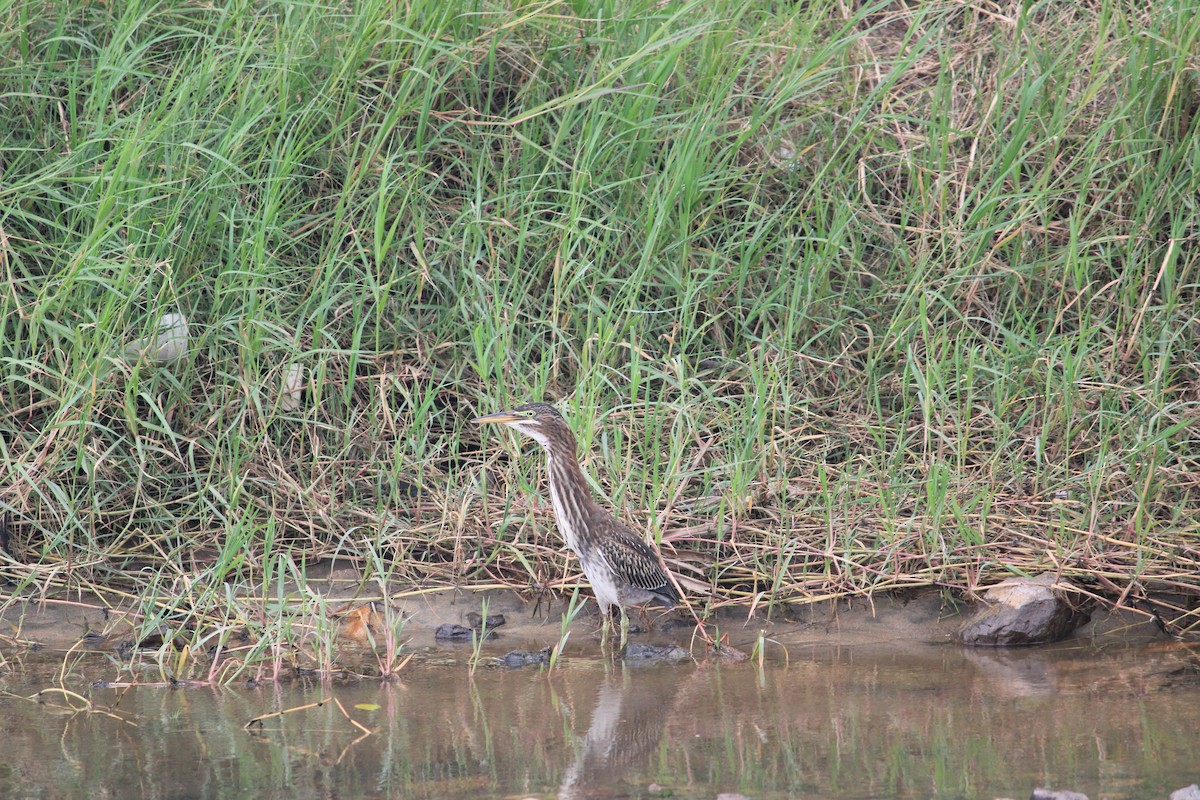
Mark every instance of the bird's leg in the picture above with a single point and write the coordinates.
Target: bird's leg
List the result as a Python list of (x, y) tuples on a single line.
[(605, 626), (624, 628)]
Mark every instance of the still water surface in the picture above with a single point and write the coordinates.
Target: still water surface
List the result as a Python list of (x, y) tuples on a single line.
[(1114, 721)]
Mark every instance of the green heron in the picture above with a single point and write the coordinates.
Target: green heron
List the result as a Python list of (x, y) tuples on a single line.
[(621, 567)]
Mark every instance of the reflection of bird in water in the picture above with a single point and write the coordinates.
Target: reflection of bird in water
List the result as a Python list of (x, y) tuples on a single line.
[(632, 708), (621, 567)]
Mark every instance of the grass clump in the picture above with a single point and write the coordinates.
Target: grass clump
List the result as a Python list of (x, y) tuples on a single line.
[(838, 299)]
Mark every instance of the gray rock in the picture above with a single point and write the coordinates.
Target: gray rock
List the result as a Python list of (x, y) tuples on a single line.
[(516, 659), (1186, 793), (650, 654), (452, 632), (1023, 611), (476, 620)]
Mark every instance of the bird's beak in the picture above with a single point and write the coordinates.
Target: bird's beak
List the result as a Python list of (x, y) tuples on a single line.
[(500, 418)]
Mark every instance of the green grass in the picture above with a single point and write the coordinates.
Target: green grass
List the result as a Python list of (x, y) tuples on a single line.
[(841, 301)]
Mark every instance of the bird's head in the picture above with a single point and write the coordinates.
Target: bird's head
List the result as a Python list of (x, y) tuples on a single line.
[(539, 421)]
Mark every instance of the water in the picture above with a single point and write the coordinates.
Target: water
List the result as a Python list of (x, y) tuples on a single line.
[(1112, 720)]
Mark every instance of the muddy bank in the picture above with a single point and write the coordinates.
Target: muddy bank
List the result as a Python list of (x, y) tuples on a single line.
[(898, 624)]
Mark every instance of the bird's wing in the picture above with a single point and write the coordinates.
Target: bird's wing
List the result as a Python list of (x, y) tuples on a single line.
[(634, 560)]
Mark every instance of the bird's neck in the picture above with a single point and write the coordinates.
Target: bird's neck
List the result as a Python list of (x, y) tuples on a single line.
[(569, 493)]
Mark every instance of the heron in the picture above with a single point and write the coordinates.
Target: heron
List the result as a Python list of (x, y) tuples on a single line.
[(622, 568)]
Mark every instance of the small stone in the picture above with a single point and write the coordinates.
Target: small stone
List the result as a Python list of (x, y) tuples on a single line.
[(293, 387), (1186, 793), (453, 632), (476, 620), (524, 658), (168, 342), (731, 796), (651, 654), (1050, 794), (727, 654)]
